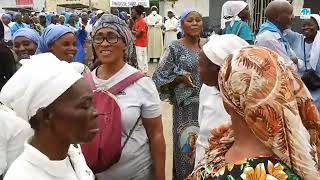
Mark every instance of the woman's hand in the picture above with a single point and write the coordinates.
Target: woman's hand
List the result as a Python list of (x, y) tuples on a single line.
[(185, 79)]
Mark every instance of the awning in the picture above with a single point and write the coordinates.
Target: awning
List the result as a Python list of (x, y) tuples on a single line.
[(19, 9), (77, 6)]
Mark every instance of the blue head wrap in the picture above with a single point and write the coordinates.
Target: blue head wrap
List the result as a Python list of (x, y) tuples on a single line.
[(183, 17), (68, 16), (50, 35), (27, 33), (7, 17), (49, 18)]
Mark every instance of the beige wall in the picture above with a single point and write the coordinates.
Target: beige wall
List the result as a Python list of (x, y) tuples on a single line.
[(51, 5)]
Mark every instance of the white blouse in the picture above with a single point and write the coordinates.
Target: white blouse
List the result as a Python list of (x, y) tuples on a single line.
[(32, 164)]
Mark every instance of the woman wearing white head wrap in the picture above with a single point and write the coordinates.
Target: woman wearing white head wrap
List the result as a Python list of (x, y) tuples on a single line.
[(57, 102), (307, 48), (211, 110), (237, 13)]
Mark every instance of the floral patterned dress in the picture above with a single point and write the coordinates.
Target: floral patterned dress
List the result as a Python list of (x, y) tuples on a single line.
[(260, 168)]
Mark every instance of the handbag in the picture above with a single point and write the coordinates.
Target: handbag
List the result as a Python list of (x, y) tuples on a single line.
[(310, 77)]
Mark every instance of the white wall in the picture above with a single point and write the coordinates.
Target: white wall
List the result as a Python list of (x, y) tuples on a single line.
[(179, 6)]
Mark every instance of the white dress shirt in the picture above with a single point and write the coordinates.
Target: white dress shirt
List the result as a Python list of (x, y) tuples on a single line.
[(211, 115), (13, 134), (32, 165)]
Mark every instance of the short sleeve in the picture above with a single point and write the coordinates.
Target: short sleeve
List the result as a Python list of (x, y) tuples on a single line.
[(149, 98), (246, 32), (141, 27)]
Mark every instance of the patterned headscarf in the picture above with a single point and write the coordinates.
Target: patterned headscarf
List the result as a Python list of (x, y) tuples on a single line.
[(276, 106), (115, 23)]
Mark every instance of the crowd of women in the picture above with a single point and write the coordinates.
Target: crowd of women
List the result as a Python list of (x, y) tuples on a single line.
[(241, 104)]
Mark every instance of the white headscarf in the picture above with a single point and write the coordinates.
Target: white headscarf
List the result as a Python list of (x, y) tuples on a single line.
[(37, 84), (220, 46), (230, 11), (315, 50)]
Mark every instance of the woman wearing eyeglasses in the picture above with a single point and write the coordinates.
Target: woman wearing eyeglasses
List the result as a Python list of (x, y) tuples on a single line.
[(143, 157), (61, 41)]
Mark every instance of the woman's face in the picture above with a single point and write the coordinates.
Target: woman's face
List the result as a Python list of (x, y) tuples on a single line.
[(61, 20), (245, 14), (72, 118), (64, 47), (192, 24), (24, 47), (309, 28), (208, 70), (109, 46)]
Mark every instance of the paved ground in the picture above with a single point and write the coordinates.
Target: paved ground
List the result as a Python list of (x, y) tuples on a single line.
[(167, 125)]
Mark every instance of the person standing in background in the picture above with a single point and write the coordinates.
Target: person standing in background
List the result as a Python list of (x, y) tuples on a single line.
[(26, 19), (6, 19), (270, 35), (7, 63), (178, 80), (237, 12), (171, 29), (155, 37), (88, 41), (307, 48), (18, 24), (141, 37), (61, 19), (42, 21)]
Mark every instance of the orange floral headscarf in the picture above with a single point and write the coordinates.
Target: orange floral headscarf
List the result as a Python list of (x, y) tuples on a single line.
[(276, 106)]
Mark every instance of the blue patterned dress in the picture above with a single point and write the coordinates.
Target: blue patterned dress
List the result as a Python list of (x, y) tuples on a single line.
[(179, 60)]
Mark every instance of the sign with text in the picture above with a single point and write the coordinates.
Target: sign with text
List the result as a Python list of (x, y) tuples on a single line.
[(305, 13), (129, 3)]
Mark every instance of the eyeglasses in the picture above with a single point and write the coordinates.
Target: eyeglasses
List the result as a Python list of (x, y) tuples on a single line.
[(111, 38)]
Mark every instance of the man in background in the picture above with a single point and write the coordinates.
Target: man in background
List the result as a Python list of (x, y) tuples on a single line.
[(139, 30), (171, 29), (6, 20), (155, 37)]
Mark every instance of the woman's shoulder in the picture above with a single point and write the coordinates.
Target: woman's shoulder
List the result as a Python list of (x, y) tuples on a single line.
[(22, 169)]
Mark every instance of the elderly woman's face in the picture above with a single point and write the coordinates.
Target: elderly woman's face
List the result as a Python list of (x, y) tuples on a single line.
[(24, 47), (108, 46), (72, 118), (192, 24), (64, 47)]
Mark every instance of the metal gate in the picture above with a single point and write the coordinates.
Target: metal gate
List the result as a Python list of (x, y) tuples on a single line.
[(257, 9)]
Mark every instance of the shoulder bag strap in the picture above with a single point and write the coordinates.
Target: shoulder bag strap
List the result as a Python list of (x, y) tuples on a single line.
[(121, 86), (125, 83), (130, 133), (304, 55), (240, 26), (89, 78)]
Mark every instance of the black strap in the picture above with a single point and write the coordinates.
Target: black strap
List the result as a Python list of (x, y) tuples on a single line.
[(71, 163), (130, 133), (304, 55)]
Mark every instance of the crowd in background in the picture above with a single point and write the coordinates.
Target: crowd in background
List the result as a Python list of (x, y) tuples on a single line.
[(245, 105)]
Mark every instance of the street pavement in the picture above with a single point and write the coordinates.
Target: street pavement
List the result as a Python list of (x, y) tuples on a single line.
[(167, 128)]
